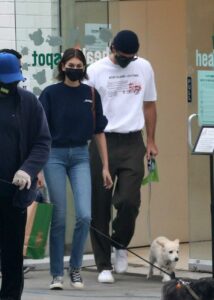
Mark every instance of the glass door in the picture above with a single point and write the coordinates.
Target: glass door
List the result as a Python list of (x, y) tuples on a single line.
[(88, 25)]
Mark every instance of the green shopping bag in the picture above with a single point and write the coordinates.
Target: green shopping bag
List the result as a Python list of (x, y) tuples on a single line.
[(37, 229), (153, 173)]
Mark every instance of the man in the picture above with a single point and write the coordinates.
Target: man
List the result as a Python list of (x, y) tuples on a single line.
[(127, 89), (24, 149)]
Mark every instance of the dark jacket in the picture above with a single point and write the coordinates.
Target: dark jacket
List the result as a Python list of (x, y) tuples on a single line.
[(34, 145)]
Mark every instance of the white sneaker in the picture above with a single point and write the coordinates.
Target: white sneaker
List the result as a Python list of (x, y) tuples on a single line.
[(120, 261), (106, 277), (57, 283)]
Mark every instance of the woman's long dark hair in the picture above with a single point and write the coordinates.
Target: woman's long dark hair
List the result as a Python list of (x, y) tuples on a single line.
[(67, 55)]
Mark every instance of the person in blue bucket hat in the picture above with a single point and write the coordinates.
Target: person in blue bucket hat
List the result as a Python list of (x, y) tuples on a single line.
[(24, 149)]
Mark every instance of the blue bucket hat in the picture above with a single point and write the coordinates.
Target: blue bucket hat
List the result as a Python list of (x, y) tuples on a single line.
[(126, 41), (10, 68)]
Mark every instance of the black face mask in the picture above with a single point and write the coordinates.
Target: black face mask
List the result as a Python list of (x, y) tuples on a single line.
[(7, 89), (123, 61), (74, 74)]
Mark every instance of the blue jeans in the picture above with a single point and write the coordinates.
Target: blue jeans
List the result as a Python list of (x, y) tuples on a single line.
[(74, 163)]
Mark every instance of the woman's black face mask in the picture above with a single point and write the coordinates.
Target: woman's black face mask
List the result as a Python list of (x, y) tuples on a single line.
[(74, 74), (7, 89), (123, 61)]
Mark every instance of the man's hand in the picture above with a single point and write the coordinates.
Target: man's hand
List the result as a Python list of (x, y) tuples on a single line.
[(151, 150), (22, 180)]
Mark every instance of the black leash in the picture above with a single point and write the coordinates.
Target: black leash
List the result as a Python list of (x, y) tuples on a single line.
[(179, 281), (8, 182), (186, 284), (172, 275)]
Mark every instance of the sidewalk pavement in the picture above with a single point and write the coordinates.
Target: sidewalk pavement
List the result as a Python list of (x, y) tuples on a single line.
[(131, 285), (127, 286)]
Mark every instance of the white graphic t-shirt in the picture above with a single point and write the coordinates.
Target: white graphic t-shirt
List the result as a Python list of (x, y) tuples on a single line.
[(123, 91)]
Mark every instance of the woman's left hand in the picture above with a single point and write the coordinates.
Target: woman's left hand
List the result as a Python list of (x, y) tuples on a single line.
[(41, 180), (107, 181)]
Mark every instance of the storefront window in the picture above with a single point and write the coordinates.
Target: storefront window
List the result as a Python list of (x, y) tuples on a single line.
[(44, 31), (38, 40)]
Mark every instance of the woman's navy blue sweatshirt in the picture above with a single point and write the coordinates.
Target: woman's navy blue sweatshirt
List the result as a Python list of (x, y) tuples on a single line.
[(70, 115)]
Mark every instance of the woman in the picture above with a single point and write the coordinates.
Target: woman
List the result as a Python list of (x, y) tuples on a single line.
[(73, 119)]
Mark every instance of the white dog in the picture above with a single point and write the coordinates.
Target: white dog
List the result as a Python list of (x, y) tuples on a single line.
[(165, 253)]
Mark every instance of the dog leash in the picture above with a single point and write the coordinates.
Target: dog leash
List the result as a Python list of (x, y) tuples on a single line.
[(151, 177), (8, 182), (172, 275), (149, 212), (186, 284)]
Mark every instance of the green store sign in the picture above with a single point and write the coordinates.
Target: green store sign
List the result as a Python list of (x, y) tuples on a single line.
[(46, 59)]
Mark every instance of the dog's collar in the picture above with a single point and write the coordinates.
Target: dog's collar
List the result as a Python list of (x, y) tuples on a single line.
[(189, 289)]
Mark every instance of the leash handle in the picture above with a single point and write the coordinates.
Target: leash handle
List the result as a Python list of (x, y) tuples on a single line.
[(8, 182)]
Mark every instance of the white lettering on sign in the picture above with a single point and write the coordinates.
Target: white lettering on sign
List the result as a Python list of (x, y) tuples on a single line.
[(204, 59)]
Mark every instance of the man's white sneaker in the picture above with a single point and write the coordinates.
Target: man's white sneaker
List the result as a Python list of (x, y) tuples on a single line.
[(105, 277), (120, 261)]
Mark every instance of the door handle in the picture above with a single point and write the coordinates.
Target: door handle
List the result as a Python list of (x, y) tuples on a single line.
[(191, 117)]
